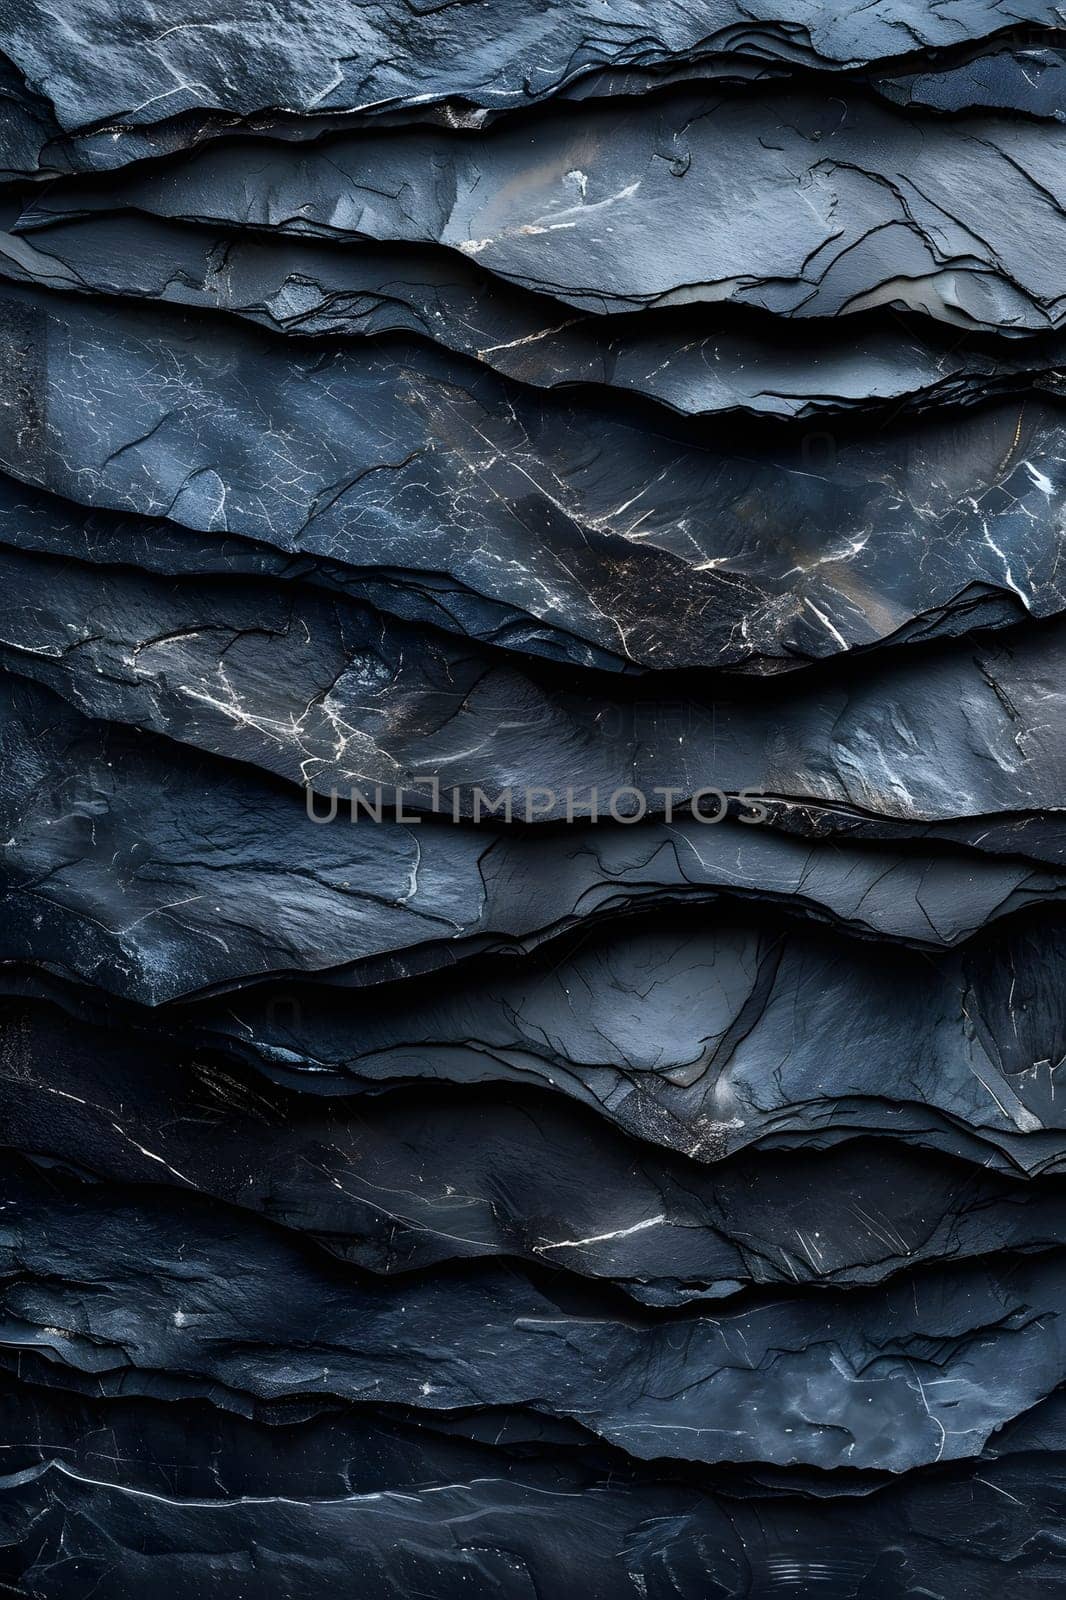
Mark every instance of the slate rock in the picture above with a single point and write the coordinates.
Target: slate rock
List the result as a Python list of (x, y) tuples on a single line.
[(396, 1183), (651, 549), (847, 205), (699, 363)]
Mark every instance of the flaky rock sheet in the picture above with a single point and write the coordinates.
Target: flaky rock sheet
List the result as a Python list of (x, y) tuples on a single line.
[(846, 207), (697, 362), (532, 801), (629, 542), (93, 75)]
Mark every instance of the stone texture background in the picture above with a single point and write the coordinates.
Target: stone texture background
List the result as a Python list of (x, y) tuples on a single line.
[(487, 395)]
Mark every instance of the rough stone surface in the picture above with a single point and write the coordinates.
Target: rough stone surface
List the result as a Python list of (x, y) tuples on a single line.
[(532, 800)]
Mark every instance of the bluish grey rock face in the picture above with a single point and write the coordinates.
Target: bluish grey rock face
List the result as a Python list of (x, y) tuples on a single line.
[(532, 788)]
